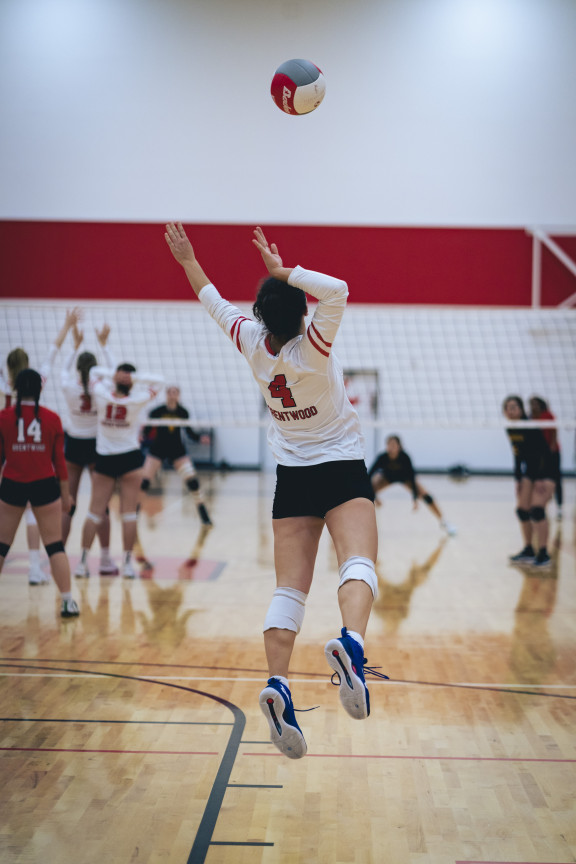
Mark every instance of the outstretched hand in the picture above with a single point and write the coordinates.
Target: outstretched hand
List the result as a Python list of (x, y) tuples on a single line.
[(179, 243), (270, 254), (102, 335), (77, 336)]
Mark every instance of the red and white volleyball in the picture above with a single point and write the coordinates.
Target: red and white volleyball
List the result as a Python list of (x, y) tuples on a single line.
[(298, 87)]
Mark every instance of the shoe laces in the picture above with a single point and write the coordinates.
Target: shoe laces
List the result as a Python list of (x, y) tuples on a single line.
[(373, 670)]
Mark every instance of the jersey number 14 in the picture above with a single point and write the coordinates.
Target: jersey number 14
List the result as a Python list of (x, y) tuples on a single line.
[(33, 431)]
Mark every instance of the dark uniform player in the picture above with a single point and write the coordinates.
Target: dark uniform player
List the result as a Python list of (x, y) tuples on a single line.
[(166, 444), (534, 471), (32, 461), (395, 466), (539, 410)]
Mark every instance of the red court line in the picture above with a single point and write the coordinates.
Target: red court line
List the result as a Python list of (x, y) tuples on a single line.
[(434, 758), (82, 750)]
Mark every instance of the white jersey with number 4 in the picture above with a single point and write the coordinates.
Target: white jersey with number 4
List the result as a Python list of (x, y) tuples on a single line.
[(82, 418), (312, 420), (119, 417)]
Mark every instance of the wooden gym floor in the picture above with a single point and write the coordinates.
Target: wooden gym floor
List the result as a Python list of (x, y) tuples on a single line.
[(133, 734)]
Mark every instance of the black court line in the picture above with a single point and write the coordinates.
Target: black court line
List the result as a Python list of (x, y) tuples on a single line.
[(203, 839), (310, 675), (232, 843)]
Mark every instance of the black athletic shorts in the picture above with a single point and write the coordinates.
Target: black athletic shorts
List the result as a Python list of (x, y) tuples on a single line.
[(175, 451), (80, 451), (119, 463), (313, 490), (37, 492)]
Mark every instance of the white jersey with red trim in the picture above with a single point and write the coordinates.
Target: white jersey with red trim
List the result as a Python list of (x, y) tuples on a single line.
[(82, 420), (312, 420), (119, 417)]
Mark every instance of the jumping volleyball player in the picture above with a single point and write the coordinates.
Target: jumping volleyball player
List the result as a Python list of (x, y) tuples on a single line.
[(321, 476), (32, 460)]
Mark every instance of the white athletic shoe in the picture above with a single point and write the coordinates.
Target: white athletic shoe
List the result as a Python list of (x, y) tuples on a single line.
[(451, 530), (128, 571), (37, 576), (108, 567), (81, 571), (69, 609)]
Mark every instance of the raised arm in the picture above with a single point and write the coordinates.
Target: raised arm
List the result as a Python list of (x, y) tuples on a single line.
[(182, 250)]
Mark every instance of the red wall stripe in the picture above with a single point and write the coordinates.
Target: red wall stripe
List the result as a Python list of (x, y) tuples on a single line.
[(130, 261)]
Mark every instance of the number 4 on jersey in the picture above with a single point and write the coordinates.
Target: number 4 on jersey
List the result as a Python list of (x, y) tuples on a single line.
[(279, 390)]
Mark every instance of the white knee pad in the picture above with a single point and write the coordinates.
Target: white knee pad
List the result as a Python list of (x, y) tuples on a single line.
[(286, 611), (130, 517), (186, 469), (361, 569), (29, 516), (93, 518)]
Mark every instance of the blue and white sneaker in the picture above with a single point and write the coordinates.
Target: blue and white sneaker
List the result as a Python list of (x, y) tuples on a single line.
[(277, 707), (346, 658)]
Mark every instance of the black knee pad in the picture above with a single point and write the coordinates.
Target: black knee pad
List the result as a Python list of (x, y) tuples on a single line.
[(427, 499), (193, 484), (145, 485), (523, 515), (4, 549), (54, 548), (537, 514), (72, 510)]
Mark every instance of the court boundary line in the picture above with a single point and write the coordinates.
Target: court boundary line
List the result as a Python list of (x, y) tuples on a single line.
[(203, 839)]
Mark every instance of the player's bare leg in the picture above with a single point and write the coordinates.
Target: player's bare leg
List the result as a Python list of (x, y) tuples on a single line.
[(10, 517), (49, 517), (354, 532), (431, 503), (36, 574), (353, 529), (542, 492), (186, 469), (102, 489), (295, 547), (130, 487), (74, 475)]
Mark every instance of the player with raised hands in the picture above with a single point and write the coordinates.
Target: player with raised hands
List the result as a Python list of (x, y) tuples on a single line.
[(119, 397), (316, 439)]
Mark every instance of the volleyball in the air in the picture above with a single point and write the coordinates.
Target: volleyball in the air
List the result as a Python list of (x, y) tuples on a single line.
[(298, 87)]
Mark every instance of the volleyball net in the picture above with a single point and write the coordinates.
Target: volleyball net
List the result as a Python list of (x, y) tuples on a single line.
[(435, 375)]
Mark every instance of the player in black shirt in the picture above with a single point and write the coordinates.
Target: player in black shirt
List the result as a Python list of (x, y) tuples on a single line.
[(535, 471), (166, 443), (395, 466)]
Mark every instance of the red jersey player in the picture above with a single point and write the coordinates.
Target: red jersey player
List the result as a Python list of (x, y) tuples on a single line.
[(32, 459)]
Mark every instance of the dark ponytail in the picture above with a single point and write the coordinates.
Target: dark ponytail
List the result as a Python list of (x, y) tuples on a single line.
[(85, 362), (28, 385)]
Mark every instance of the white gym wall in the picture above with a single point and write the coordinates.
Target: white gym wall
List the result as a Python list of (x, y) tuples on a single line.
[(437, 112)]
